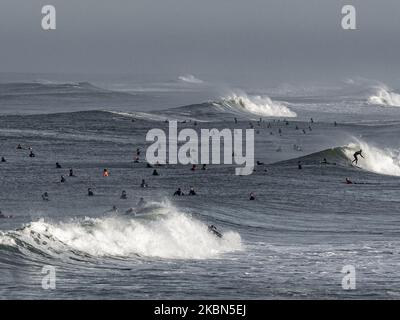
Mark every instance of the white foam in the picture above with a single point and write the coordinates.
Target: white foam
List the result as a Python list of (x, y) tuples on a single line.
[(189, 78), (378, 160), (256, 105), (385, 97), (171, 235)]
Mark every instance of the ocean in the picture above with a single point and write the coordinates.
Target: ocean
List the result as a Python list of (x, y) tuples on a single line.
[(291, 242)]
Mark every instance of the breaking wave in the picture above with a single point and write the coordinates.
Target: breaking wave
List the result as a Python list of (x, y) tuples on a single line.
[(261, 106), (161, 233), (385, 97), (378, 160), (189, 78)]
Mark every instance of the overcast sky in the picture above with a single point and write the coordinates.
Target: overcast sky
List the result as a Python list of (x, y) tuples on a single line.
[(252, 39)]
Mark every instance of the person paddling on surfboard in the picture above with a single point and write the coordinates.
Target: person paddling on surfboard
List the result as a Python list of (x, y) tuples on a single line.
[(356, 154)]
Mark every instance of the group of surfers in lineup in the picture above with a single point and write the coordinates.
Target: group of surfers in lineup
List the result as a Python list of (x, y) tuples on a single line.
[(178, 192)]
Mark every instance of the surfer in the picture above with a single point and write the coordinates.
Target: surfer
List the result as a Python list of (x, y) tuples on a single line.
[(58, 166), (62, 179), (45, 196), (90, 192), (204, 167), (252, 196), (193, 168), (141, 203), (324, 161), (348, 181), (192, 192), (356, 154), (31, 154), (155, 173), (2, 216), (123, 195), (19, 147), (143, 184), (105, 173), (3, 159), (213, 229), (259, 163), (114, 209), (179, 192), (299, 165), (71, 173)]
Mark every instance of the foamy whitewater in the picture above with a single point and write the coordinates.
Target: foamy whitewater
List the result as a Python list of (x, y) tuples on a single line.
[(382, 161), (261, 106), (292, 241), (169, 235), (189, 78), (385, 97)]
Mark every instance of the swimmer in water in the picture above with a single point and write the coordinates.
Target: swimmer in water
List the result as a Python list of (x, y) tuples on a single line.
[(192, 192), (2, 216), (179, 192), (114, 209), (143, 184), (299, 165), (141, 203), (348, 181), (90, 192)]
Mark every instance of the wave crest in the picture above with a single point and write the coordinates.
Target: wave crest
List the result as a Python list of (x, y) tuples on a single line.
[(378, 160), (163, 233), (385, 97), (256, 105), (189, 78)]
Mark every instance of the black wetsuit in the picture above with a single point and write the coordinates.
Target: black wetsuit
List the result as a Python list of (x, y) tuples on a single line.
[(178, 193), (356, 154)]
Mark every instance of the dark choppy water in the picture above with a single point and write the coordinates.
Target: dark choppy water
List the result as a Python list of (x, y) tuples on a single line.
[(292, 242)]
